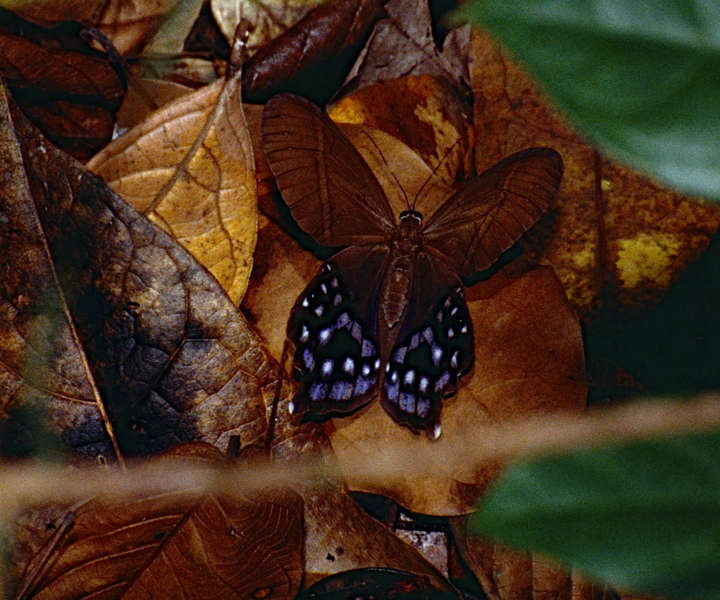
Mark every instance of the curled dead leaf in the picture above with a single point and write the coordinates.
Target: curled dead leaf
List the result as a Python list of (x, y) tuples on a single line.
[(175, 544), (616, 236), (322, 33), (189, 167)]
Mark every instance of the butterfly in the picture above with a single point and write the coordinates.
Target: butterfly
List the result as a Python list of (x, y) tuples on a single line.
[(387, 314)]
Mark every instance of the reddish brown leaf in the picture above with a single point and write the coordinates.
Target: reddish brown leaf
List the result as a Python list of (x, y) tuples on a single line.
[(322, 33), (107, 323), (65, 87), (175, 545)]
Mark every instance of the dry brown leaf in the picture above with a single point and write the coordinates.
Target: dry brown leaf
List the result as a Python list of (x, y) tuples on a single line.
[(423, 112), (270, 18), (175, 545), (189, 167), (323, 33), (107, 324), (616, 236), (128, 24), (528, 360)]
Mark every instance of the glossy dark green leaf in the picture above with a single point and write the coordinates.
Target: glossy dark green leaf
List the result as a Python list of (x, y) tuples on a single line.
[(643, 79), (642, 516)]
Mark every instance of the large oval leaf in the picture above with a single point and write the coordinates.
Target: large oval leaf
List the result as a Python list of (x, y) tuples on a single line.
[(642, 516)]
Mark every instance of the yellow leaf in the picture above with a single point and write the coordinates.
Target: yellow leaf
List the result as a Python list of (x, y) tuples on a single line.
[(189, 167)]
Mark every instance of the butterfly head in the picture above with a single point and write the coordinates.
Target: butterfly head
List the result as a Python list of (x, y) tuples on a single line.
[(411, 217)]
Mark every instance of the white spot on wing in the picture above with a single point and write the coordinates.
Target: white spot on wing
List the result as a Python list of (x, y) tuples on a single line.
[(349, 366), (437, 354), (409, 377), (304, 334), (327, 367), (424, 383), (319, 310)]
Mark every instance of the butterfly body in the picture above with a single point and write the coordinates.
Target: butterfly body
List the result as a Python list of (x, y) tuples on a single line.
[(388, 314)]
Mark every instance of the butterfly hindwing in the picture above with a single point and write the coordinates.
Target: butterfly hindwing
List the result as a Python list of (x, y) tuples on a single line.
[(435, 348), (425, 366), (337, 354)]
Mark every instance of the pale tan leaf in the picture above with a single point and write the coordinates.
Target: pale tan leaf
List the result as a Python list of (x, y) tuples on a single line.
[(270, 18), (189, 167)]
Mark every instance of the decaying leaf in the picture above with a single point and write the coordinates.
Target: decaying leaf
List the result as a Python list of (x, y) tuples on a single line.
[(189, 167), (270, 18), (127, 23), (65, 87), (528, 360), (616, 236), (107, 323), (175, 545), (322, 33)]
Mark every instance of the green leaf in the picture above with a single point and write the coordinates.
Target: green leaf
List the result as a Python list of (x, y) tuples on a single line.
[(641, 516), (642, 78)]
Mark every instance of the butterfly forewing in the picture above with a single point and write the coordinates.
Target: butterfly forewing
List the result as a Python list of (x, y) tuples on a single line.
[(337, 354), (490, 213), (329, 188), (435, 347)]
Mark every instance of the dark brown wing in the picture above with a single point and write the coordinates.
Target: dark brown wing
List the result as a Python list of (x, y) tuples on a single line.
[(329, 188), (490, 213)]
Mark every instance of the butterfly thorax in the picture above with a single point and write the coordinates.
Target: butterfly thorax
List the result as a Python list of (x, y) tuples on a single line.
[(401, 268)]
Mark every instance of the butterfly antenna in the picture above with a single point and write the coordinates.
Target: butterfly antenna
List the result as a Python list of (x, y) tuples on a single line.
[(387, 165), (434, 172)]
